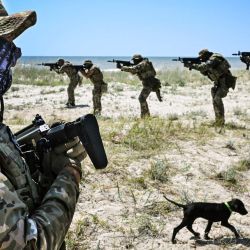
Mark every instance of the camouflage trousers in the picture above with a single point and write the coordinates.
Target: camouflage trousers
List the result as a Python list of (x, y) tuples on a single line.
[(97, 92), (218, 92), (71, 89), (150, 85)]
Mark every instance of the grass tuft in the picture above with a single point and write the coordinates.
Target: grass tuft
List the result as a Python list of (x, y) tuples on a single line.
[(159, 171)]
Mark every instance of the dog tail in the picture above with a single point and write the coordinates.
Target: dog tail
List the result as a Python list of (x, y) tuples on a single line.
[(177, 204)]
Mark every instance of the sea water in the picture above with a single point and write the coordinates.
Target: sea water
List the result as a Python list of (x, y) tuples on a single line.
[(101, 61)]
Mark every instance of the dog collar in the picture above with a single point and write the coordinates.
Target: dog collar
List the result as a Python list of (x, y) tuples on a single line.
[(229, 208)]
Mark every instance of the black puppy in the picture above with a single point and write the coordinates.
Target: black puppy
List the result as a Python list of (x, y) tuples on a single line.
[(213, 212)]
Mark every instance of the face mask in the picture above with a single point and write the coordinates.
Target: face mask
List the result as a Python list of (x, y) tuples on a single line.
[(9, 54)]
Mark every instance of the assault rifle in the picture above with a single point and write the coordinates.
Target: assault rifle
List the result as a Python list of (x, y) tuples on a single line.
[(120, 63), (51, 65), (38, 138), (56, 66), (79, 67), (244, 57), (188, 61)]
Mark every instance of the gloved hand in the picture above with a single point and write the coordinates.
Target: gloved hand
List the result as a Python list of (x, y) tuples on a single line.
[(68, 154), (118, 66), (188, 65)]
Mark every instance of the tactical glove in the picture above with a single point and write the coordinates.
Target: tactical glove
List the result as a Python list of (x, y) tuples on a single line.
[(118, 66), (188, 65), (68, 154)]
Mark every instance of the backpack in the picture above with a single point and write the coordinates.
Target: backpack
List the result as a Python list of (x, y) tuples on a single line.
[(231, 81)]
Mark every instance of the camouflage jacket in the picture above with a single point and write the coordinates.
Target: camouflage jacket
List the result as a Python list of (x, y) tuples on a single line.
[(25, 221), (71, 72), (144, 70), (94, 74), (214, 68), (245, 59)]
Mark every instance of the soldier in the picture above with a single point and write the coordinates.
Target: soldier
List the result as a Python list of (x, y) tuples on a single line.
[(95, 75), (29, 220), (216, 68), (246, 60), (75, 79), (144, 69)]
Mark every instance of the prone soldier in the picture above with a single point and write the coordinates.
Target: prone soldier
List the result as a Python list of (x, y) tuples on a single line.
[(92, 72), (145, 71), (216, 68)]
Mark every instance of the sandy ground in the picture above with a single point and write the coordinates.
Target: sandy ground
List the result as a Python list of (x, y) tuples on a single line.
[(110, 214), (122, 100)]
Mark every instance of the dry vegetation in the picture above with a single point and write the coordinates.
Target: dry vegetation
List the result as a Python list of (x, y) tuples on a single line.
[(176, 152)]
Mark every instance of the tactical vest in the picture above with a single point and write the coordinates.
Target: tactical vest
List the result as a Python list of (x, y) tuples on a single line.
[(14, 167), (71, 72), (147, 70), (245, 59), (97, 76), (219, 67)]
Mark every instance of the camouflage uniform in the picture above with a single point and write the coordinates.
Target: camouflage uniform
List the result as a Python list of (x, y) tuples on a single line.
[(146, 73), (246, 60), (216, 68), (22, 211), (96, 77), (28, 220), (74, 77)]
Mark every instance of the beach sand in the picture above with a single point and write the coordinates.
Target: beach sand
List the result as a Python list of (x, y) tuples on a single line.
[(113, 212)]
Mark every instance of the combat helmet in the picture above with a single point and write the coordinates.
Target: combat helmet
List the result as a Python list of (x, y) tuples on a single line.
[(11, 26), (87, 64), (137, 57), (203, 52), (60, 61)]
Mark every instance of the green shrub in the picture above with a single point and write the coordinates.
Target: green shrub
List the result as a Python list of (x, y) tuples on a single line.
[(160, 171)]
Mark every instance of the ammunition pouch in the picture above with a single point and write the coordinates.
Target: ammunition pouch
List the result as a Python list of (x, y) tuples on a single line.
[(153, 83), (104, 87), (156, 84), (230, 81)]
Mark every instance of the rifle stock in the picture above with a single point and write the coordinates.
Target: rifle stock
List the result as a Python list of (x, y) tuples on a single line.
[(39, 137)]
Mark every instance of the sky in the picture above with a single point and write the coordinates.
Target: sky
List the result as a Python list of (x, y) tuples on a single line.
[(126, 27)]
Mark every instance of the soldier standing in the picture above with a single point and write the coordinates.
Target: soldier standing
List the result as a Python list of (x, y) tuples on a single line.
[(95, 75), (28, 219), (75, 79), (144, 69), (246, 60), (216, 68)]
